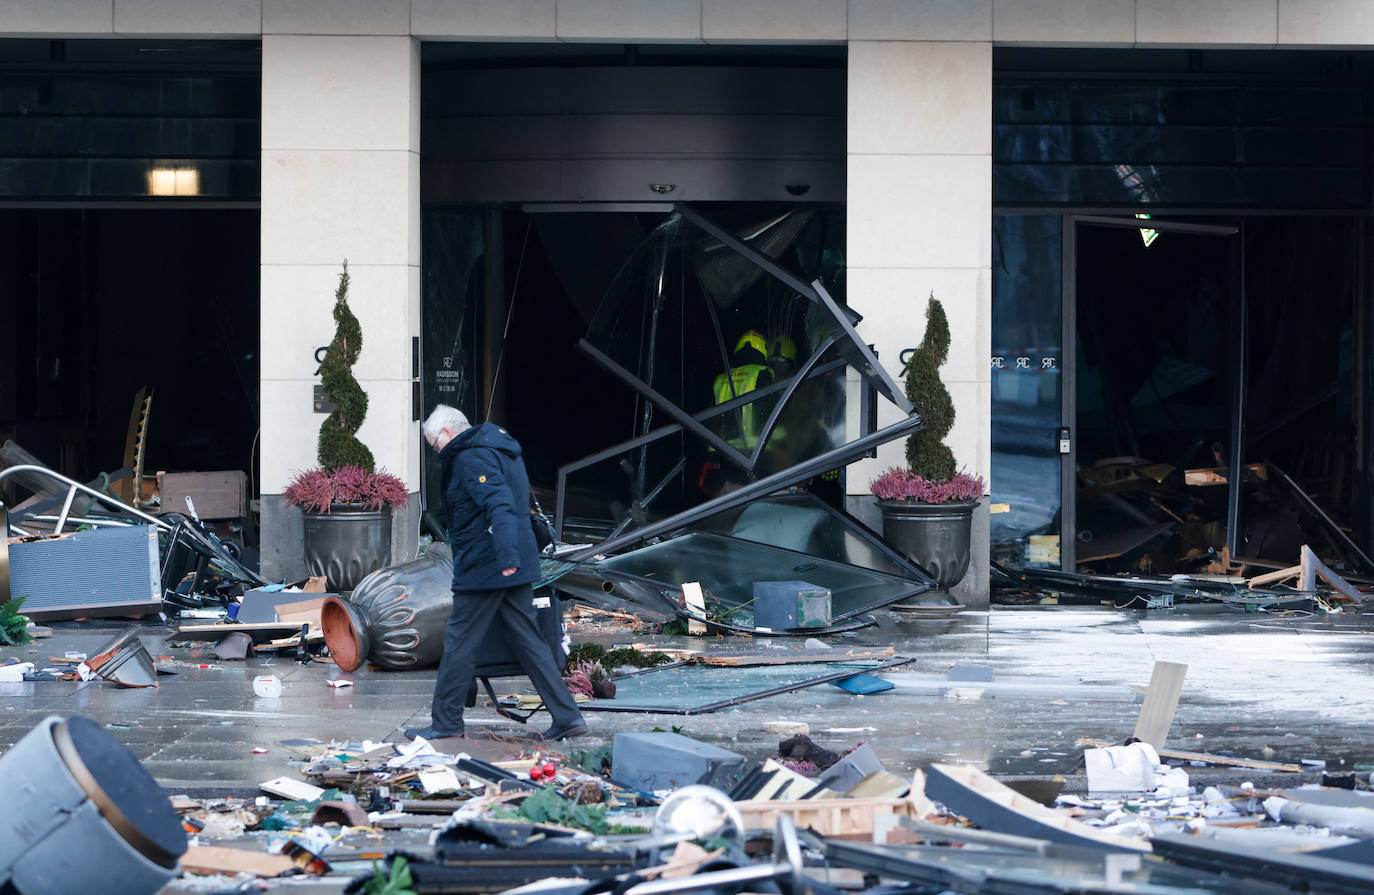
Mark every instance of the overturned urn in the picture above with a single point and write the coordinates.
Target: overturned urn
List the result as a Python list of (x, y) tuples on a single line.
[(395, 617)]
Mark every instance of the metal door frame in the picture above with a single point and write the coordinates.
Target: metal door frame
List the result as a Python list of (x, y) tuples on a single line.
[(1068, 394)]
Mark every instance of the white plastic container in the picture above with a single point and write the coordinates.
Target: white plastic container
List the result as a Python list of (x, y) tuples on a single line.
[(267, 686)]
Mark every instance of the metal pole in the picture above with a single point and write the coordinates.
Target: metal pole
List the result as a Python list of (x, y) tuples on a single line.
[(1240, 362)]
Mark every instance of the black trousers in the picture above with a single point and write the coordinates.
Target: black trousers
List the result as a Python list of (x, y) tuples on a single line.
[(469, 626)]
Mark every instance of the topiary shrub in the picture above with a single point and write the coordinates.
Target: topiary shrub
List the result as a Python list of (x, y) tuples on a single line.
[(926, 453), (339, 444)]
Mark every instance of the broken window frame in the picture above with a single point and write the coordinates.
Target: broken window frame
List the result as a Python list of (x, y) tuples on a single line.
[(854, 353), (843, 318), (788, 385), (783, 478)]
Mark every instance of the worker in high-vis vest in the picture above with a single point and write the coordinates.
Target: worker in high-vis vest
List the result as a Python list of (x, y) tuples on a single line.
[(749, 372), (741, 428)]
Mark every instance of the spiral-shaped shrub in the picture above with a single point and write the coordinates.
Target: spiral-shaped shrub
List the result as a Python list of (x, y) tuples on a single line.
[(339, 444), (926, 453)]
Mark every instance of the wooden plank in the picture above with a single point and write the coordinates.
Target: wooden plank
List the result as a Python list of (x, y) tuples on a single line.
[(792, 657), (1161, 702), (217, 495), (1274, 577), (1206, 758), (216, 859)]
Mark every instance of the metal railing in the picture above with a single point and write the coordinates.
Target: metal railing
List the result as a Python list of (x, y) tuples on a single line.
[(74, 488)]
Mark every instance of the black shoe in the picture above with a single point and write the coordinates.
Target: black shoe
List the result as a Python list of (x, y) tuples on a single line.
[(429, 733), (576, 729)]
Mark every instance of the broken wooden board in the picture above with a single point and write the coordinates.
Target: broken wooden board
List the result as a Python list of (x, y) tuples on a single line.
[(261, 632), (1207, 758), (1161, 702), (214, 859), (850, 819), (791, 657), (996, 807), (1313, 568), (1274, 577)]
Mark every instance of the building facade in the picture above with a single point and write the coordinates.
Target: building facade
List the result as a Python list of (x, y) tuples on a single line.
[(949, 138)]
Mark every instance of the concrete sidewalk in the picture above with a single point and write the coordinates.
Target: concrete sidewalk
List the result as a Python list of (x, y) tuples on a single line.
[(1258, 686)]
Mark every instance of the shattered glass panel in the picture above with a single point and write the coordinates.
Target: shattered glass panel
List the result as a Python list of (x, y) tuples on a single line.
[(811, 423), (691, 689), (802, 522), (629, 489), (728, 567), (681, 313)]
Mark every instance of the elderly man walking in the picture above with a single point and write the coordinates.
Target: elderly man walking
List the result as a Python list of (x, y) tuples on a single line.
[(495, 562)]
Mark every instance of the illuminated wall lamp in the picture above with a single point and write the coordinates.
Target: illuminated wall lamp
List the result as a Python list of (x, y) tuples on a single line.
[(173, 182)]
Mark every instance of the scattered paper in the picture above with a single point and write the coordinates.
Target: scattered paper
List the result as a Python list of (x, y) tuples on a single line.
[(440, 779)]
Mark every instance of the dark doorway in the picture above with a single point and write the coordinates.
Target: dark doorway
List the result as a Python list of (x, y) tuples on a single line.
[(1200, 355), (101, 302), (1154, 381)]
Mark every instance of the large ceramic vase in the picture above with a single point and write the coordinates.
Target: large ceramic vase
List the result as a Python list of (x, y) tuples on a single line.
[(935, 536), (347, 544), (395, 618)]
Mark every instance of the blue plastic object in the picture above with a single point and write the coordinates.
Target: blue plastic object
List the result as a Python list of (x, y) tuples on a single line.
[(863, 684)]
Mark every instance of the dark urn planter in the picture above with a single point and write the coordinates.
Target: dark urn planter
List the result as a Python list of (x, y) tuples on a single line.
[(395, 618), (935, 536), (347, 544)]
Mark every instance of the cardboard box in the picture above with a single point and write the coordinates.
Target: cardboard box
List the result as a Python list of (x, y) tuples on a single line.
[(217, 495)]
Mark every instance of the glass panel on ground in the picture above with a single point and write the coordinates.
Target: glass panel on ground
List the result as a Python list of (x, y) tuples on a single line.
[(801, 521), (728, 569)]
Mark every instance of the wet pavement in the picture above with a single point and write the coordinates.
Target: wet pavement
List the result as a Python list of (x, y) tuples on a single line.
[(1258, 686)]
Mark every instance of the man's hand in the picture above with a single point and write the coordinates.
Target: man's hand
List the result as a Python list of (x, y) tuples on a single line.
[(509, 572)]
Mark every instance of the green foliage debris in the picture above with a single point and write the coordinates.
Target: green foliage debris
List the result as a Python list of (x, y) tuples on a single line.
[(613, 659), (14, 628), (398, 882), (548, 807)]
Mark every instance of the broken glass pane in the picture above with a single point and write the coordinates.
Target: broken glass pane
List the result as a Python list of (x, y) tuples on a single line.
[(695, 689), (687, 308), (803, 522), (727, 569)]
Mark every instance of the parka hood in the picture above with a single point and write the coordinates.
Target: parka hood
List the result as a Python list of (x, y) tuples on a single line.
[(488, 435)]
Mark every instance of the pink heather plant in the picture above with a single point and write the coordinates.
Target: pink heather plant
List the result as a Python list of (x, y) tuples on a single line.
[(315, 490), (903, 484)]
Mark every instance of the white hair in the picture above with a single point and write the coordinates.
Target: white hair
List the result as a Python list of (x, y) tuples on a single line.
[(444, 417)]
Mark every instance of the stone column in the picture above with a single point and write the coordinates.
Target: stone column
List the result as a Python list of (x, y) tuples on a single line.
[(340, 180), (919, 222)]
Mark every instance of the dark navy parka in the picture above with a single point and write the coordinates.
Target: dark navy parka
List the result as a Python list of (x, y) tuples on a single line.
[(487, 505)]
